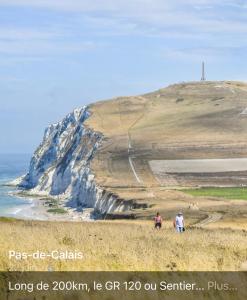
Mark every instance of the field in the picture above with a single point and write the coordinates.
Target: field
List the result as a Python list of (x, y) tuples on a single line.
[(199, 165), (122, 245), (226, 193)]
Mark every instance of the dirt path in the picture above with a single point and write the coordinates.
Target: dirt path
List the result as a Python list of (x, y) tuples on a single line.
[(212, 218), (133, 169), (138, 179)]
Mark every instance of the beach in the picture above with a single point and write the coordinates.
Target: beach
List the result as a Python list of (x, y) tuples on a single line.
[(26, 205), (37, 209)]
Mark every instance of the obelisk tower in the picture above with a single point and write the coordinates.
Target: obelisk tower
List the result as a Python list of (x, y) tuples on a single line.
[(203, 72)]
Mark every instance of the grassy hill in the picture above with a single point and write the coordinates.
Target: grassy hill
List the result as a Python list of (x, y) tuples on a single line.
[(197, 120)]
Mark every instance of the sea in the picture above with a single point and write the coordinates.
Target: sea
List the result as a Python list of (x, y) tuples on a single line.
[(11, 167)]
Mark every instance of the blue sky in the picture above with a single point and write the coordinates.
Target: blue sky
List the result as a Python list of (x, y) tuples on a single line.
[(56, 55)]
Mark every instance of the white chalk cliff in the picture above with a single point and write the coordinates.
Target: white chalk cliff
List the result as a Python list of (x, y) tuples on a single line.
[(61, 166)]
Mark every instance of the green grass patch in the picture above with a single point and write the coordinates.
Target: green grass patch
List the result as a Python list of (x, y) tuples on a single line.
[(57, 211), (223, 192), (7, 220)]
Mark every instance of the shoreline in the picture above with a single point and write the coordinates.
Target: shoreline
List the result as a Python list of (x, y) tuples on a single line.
[(36, 209)]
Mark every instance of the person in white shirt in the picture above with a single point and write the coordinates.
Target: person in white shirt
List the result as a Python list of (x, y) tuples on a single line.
[(179, 222)]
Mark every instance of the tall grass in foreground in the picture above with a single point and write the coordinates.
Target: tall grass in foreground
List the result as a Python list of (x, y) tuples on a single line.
[(121, 245)]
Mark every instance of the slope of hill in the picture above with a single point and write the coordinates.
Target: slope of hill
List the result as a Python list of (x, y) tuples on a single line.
[(144, 139), (203, 121)]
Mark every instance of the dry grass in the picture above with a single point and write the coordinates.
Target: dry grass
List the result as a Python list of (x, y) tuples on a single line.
[(122, 245), (184, 121)]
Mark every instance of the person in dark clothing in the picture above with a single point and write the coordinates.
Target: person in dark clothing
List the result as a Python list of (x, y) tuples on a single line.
[(158, 221)]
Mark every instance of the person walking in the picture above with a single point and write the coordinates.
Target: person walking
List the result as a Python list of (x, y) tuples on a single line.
[(179, 222), (158, 221)]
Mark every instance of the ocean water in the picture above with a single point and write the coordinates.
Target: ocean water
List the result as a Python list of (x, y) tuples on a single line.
[(11, 167)]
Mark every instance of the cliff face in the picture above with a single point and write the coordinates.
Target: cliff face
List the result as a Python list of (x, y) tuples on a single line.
[(61, 165)]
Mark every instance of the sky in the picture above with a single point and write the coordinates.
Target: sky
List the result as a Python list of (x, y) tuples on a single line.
[(56, 55)]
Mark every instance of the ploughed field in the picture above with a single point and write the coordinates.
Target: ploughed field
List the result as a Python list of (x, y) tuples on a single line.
[(200, 172)]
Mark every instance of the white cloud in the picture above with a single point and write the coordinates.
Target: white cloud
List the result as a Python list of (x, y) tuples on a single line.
[(210, 54), (43, 48), (72, 5), (118, 5), (32, 44), (193, 15), (192, 20), (16, 33)]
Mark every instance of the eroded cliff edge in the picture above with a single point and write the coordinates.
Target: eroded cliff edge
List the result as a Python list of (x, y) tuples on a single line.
[(60, 166)]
